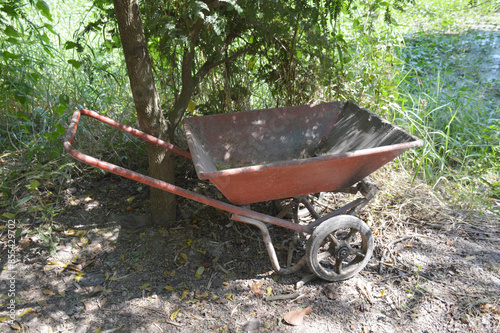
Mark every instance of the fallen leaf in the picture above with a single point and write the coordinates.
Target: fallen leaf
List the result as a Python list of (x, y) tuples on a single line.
[(79, 275), (130, 199), (169, 274), (16, 326), (184, 294), (25, 312), (98, 330), (229, 297), (296, 317), (48, 292), (75, 233), (144, 286), (97, 289), (199, 271), (174, 314), (76, 268), (269, 291), (56, 263), (83, 241), (382, 293), (169, 288), (102, 302), (487, 306), (199, 295), (256, 289), (26, 243)]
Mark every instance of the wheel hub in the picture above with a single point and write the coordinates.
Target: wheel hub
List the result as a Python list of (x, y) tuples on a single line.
[(342, 252)]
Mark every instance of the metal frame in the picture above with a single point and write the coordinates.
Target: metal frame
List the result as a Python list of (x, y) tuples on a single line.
[(240, 214)]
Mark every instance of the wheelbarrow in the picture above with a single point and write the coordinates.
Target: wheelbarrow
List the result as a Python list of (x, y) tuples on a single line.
[(284, 153)]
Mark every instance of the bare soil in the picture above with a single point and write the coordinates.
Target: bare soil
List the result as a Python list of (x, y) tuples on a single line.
[(435, 268)]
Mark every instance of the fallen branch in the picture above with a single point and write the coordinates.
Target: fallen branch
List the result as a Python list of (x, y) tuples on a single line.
[(281, 297)]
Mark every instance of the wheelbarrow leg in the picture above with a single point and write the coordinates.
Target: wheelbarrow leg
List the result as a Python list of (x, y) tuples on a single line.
[(269, 246), (295, 237)]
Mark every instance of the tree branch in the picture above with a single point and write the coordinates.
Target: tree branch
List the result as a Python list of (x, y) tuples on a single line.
[(210, 64)]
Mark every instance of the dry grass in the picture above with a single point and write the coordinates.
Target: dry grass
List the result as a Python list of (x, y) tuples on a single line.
[(402, 204)]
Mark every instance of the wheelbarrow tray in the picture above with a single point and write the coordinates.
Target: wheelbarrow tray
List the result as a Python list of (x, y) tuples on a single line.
[(285, 152)]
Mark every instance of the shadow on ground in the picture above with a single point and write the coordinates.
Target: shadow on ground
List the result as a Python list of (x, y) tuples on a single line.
[(108, 275)]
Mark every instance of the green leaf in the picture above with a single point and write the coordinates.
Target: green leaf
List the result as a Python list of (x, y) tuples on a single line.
[(234, 4), (75, 63), (69, 45), (24, 200), (44, 237), (21, 116), (33, 185), (9, 215), (50, 28), (11, 32), (60, 129), (7, 55), (61, 108), (12, 40), (18, 233), (64, 99), (191, 106), (45, 38), (199, 271), (44, 9), (144, 286)]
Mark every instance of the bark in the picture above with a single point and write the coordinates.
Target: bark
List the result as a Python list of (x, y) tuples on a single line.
[(147, 104)]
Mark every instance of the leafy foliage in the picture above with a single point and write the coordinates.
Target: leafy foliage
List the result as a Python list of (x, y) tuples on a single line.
[(293, 49)]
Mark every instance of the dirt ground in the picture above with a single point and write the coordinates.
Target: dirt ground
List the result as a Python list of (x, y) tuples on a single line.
[(434, 268)]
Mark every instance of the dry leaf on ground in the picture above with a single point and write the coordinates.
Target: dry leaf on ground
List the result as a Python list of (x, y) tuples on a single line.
[(256, 289), (296, 317)]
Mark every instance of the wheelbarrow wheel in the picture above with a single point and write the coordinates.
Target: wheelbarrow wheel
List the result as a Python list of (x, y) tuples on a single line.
[(339, 248)]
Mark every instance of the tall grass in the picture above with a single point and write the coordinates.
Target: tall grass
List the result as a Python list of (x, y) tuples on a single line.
[(446, 96), (41, 83)]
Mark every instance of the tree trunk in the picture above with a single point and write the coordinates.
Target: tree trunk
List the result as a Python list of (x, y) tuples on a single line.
[(147, 104)]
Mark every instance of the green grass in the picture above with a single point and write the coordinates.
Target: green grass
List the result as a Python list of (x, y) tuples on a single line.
[(446, 96)]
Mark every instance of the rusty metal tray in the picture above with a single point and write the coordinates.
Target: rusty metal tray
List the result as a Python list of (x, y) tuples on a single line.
[(285, 152)]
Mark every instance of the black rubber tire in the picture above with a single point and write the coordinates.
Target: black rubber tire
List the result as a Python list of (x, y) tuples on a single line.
[(339, 248)]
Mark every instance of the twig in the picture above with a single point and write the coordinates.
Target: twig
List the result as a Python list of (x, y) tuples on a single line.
[(281, 297), (173, 323), (161, 329), (219, 266), (304, 280)]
